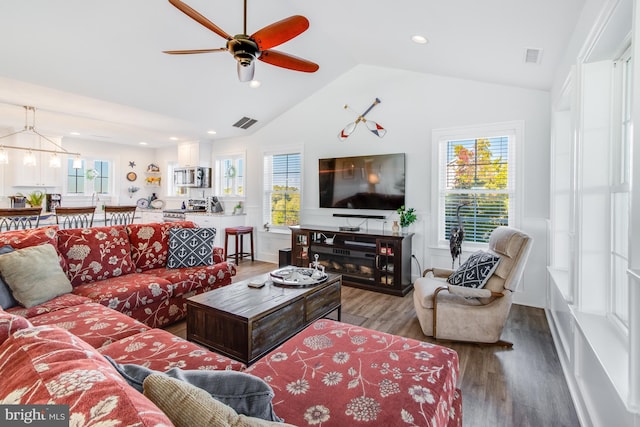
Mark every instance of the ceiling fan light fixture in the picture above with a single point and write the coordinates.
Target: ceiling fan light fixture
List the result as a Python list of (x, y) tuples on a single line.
[(245, 48), (419, 39), (254, 84)]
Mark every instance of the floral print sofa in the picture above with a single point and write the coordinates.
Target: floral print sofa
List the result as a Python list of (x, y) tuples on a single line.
[(123, 268), (330, 374)]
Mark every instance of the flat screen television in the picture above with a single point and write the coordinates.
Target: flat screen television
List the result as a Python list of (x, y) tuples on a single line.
[(362, 182)]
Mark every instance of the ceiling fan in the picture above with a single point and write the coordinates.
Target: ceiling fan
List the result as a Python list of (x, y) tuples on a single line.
[(246, 49)]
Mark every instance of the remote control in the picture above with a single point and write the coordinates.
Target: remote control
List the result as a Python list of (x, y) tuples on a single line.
[(256, 284)]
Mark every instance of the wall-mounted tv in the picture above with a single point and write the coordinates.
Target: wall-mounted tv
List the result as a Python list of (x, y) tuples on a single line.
[(362, 182)]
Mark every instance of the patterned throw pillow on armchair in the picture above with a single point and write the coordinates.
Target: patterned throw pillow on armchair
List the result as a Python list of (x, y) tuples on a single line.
[(475, 271)]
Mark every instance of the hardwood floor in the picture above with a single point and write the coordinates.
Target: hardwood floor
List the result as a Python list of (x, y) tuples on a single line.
[(523, 386)]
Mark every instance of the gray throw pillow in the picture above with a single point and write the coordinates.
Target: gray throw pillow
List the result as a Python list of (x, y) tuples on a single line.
[(475, 271), (34, 274), (6, 297), (190, 247), (245, 393)]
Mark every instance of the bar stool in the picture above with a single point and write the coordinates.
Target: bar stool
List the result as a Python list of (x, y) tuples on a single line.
[(239, 232)]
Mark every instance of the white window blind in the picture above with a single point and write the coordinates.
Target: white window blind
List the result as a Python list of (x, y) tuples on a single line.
[(282, 189), (477, 181)]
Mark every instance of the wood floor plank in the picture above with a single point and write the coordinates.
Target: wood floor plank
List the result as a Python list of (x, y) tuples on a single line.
[(523, 386)]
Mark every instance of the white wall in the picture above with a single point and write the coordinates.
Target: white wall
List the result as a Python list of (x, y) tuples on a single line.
[(412, 105)]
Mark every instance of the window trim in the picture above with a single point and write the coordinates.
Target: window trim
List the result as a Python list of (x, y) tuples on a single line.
[(235, 157), (281, 151), (513, 129), (620, 157), (89, 163)]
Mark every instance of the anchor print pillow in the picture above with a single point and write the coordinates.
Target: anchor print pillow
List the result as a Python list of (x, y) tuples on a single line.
[(190, 247)]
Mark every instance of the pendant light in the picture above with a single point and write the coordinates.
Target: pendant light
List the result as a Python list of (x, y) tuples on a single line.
[(77, 162), (4, 156), (29, 159), (54, 161)]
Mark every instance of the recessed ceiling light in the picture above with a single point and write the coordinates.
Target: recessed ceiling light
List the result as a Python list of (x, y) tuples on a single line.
[(254, 84), (419, 39), (74, 133), (174, 138), (211, 132), (144, 143)]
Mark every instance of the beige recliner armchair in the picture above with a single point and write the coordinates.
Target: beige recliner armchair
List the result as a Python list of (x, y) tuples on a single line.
[(460, 313)]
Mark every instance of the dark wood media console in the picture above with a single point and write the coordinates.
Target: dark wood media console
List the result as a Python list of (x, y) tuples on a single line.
[(379, 262)]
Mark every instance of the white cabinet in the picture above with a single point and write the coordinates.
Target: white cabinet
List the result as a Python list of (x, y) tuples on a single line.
[(189, 154), (40, 175), (194, 154), (150, 216), (219, 222)]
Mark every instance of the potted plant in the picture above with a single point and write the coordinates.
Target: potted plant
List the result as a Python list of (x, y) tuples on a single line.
[(237, 210), (407, 216), (35, 198)]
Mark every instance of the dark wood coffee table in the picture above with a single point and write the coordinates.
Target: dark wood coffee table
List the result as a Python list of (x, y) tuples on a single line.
[(245, 323)]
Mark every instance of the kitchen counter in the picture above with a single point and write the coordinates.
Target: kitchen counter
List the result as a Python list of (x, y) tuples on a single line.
[(213, 214)]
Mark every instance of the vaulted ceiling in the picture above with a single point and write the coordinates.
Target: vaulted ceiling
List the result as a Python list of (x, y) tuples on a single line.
[(97, 67)]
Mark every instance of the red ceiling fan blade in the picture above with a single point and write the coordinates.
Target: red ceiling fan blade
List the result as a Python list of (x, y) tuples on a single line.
[(196, 16), (285, 60), (191, 51), (280, 32)]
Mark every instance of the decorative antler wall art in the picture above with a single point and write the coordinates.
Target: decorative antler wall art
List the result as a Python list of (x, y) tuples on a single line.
[(374, 127)]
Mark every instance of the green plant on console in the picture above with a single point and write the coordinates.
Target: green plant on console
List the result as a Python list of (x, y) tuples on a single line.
[(35, 198), (407, 216)]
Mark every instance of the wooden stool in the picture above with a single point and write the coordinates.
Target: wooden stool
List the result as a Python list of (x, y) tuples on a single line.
[(239, 232)]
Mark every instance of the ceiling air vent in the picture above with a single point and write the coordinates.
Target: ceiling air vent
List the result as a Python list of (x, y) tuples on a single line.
[(532, 55), (245, 123)]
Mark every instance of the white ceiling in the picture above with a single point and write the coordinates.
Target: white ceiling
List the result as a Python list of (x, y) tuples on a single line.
[(96, 67)]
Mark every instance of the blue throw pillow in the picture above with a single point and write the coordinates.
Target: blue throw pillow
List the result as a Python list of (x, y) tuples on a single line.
[(190, 247), (6, 297)]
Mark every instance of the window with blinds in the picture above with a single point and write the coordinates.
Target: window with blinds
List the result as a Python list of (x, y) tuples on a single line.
[(477, 186), (282, 189)]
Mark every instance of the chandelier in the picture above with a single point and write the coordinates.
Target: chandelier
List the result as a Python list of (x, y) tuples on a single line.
[(29, 159)]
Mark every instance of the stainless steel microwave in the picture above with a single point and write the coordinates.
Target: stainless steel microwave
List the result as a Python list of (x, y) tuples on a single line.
[(192, 177)]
